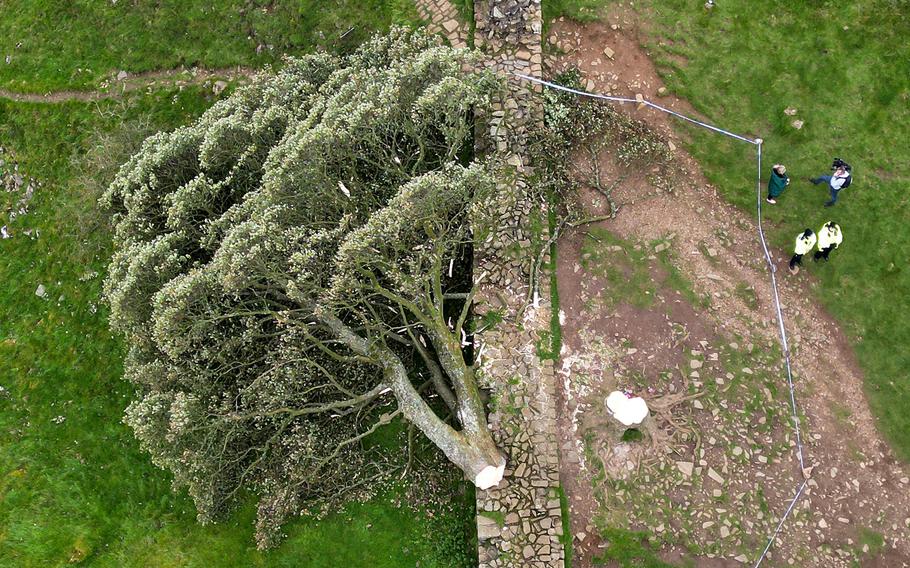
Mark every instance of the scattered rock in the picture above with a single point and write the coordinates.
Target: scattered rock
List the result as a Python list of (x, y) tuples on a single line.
[(797, 124), (122, 75), (219, 87), (789, 111), (609, 52), (487, 528), (41, 291), (695, 364), (686, 468), (715, 476)]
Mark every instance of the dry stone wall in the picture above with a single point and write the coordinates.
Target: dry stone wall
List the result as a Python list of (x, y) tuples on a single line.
[(519, 522)]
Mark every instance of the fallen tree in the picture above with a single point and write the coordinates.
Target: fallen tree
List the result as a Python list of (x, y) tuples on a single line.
[(293, 271)]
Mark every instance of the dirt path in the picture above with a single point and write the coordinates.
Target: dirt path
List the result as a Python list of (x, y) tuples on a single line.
[(857, 484), (116, 87)]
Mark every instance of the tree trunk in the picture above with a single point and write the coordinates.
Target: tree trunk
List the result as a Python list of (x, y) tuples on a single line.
[(473, 449)]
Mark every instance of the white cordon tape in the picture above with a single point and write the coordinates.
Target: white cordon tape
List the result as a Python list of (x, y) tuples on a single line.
[(771, 269)]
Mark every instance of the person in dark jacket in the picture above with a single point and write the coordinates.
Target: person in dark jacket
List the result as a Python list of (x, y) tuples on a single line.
[(777, 183), (837, 181)]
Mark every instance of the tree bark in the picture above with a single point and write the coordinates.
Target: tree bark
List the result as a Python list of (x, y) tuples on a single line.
[(472, 449)]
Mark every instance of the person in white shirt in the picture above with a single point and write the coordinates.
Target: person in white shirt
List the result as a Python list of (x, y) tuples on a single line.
[(837, 181)]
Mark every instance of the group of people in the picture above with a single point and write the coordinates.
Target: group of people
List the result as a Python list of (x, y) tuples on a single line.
[(829, 237)]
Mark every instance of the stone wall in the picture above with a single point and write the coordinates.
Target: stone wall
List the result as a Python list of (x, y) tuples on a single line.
[(442, 18), (522, 385)]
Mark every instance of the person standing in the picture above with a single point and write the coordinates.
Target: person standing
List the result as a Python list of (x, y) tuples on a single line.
[(837, 181), (829, 238), (804, 243), (777, 183)]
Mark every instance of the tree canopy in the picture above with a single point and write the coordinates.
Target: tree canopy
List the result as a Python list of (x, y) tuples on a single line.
[(293, 271)]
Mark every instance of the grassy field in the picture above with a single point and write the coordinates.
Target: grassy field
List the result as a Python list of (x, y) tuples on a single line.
[(55, 45), (74, 487), (73, 484), (845, 67)]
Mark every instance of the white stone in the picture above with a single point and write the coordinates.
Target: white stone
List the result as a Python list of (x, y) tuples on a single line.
[(685, 467), (490, 476), (715, 476), (628, 411)]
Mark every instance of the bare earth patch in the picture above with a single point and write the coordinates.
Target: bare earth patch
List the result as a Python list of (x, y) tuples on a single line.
[(671, 300)]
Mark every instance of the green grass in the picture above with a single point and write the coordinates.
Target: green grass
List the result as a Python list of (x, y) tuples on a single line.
[(77, 44), (741, 65), (747, 294), (873, 539), (78, 488), (579, 10), (566, 537), (466, 12), (629, 549), (623, 264), (497, 516)]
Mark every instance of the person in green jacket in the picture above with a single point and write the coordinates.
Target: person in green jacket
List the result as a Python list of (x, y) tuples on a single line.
[(778, 182)]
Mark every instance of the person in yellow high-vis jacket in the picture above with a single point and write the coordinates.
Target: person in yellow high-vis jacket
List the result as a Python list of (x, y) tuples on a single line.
[(829, 238), (804, 243)]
